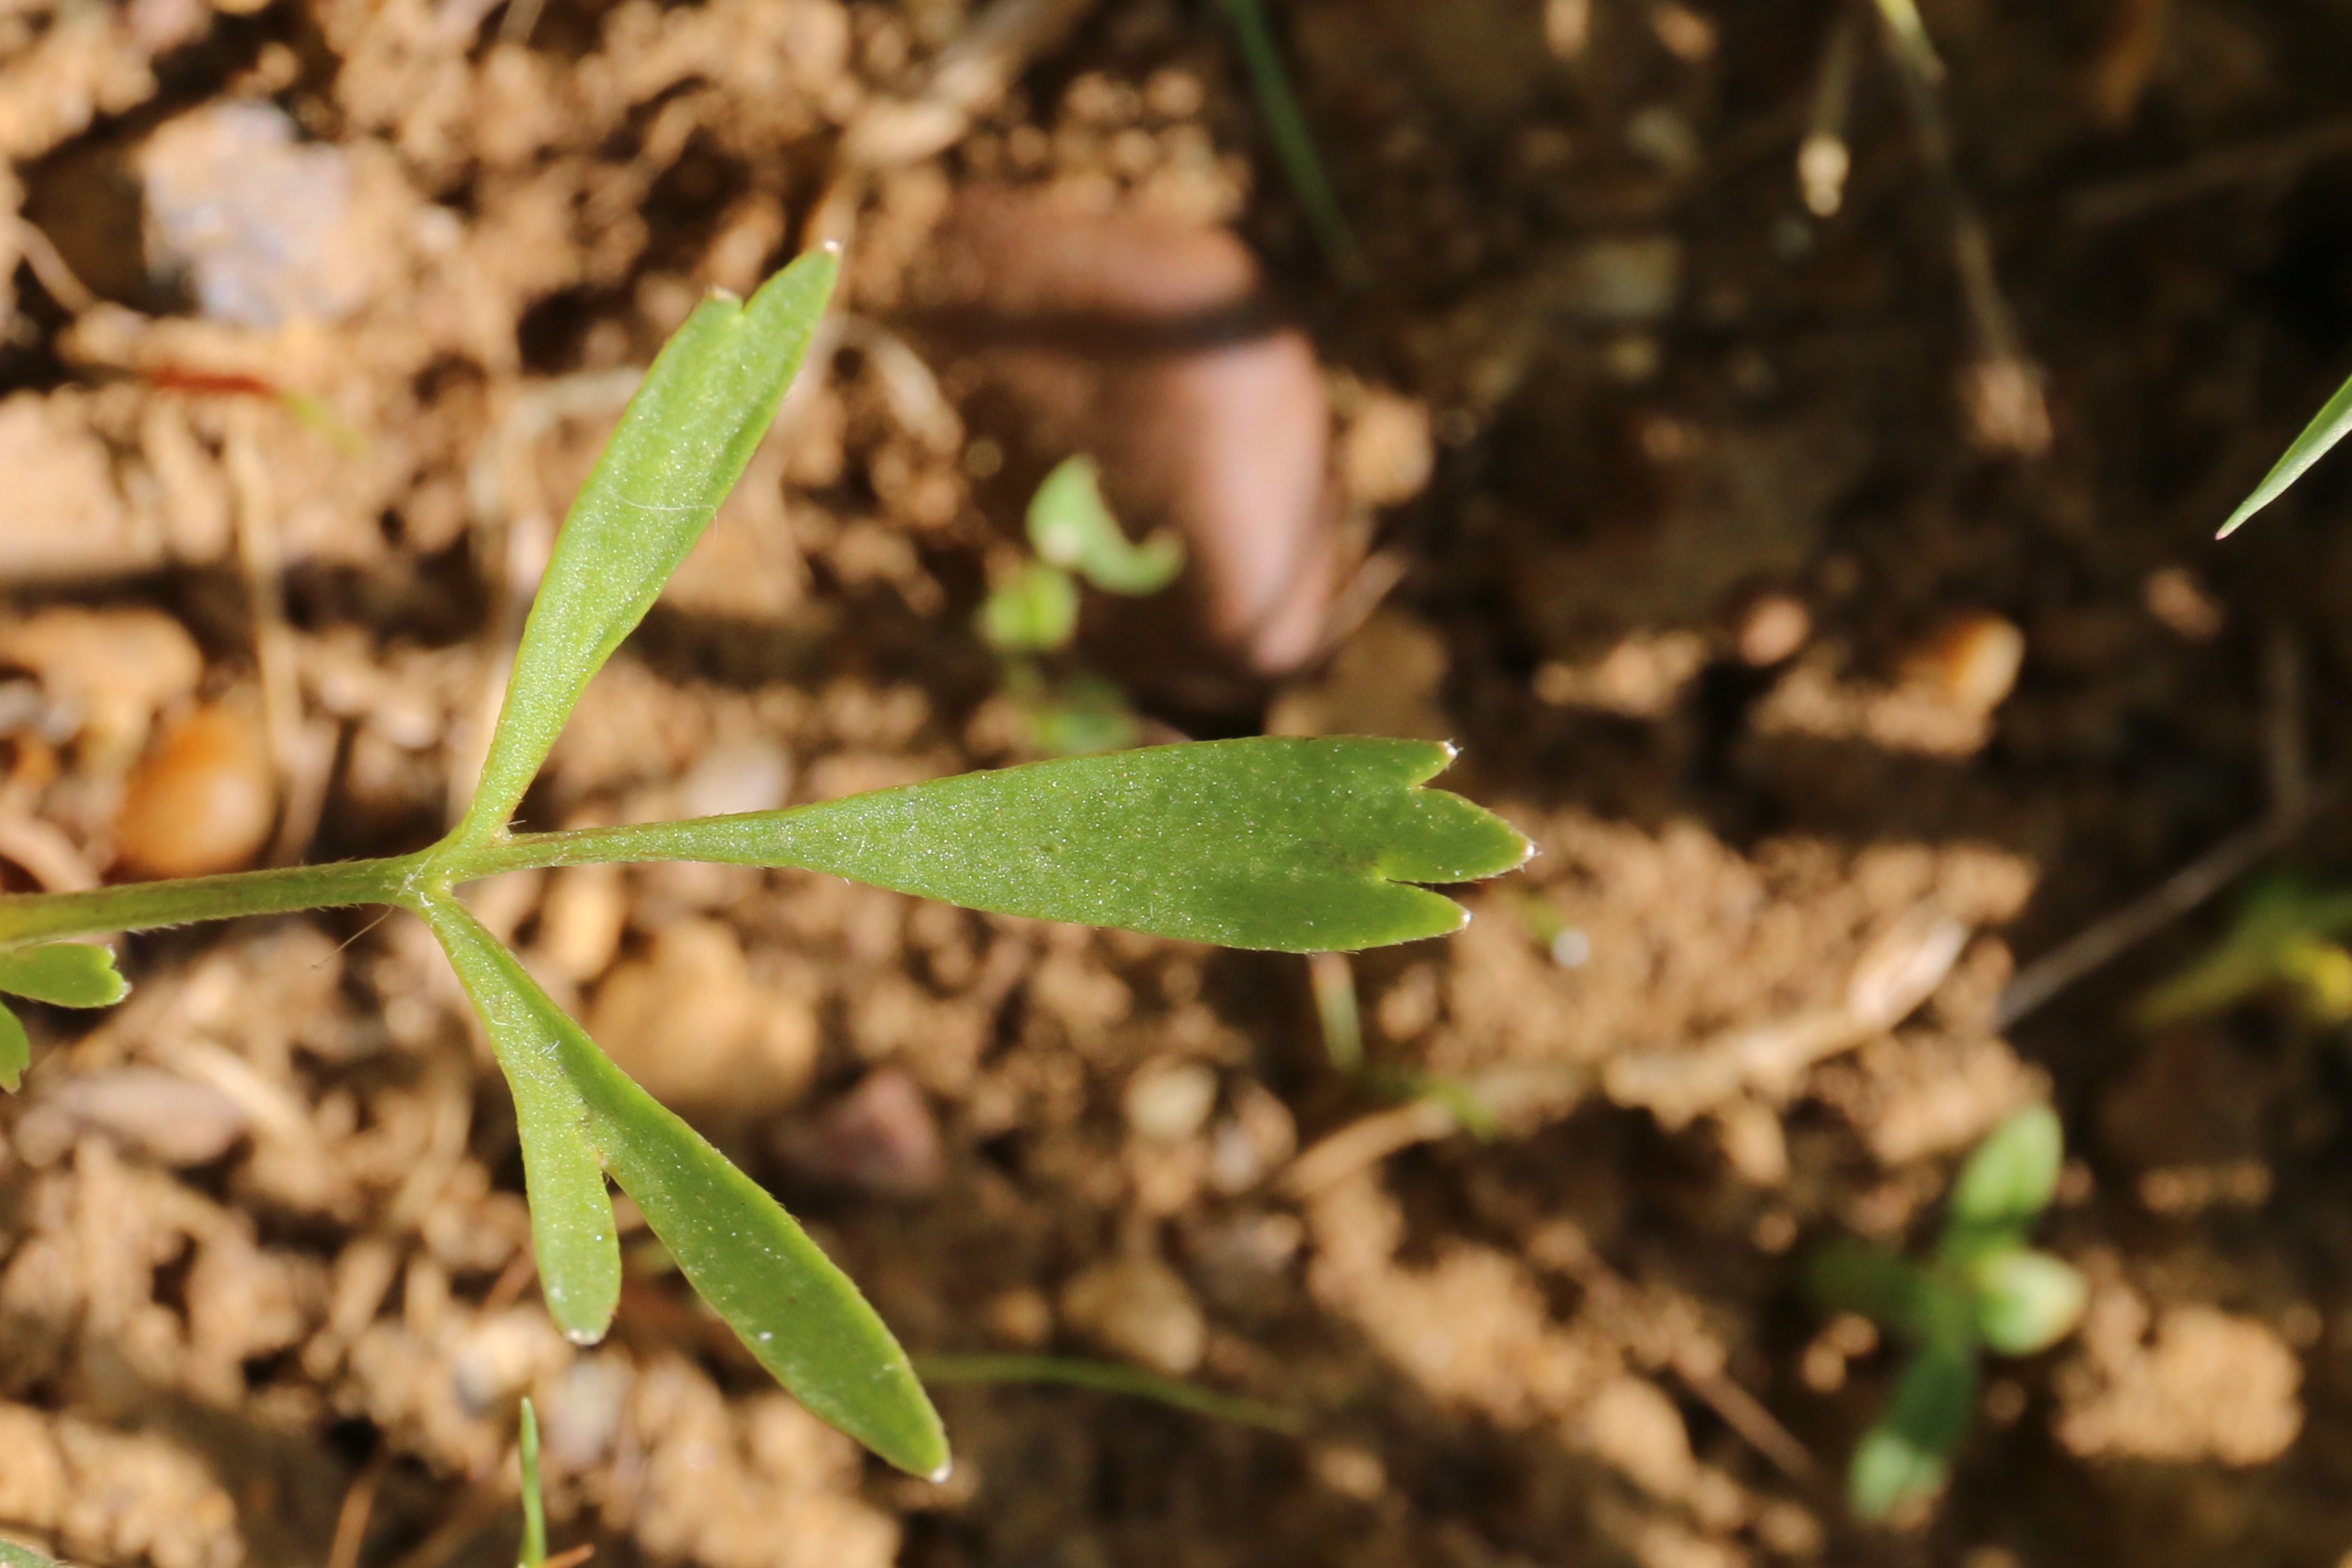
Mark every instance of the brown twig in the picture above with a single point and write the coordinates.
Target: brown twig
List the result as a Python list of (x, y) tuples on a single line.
[(359, 1507), (2007, 407), (473, 1515), (49, 265), (2275, 161), (302, 755), (2178, 894), (511, 1283), (1627, 1316)]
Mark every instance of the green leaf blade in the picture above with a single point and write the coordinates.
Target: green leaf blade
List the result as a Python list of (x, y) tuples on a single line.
[(573, 1232), (1906, 1458), (688, 434), (1033, 610), (2027, 1301), (15, 1050), (1280, 844), (64, 974), (2320, 437), (2013, 1176), (800, 1316), (1072, 526), (797, 1313)]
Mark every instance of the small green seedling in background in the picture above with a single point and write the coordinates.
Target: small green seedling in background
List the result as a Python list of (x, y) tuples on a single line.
[(1032, 612), (1286, 845), (1983, 1289), (1332, 981), (15, 1556), (2282, 941)]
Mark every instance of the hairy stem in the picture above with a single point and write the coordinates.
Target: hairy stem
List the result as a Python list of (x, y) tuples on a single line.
[(144, 906)]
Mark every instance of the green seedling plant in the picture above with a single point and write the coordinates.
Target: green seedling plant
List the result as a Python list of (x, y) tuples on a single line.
[(2282, 941), (1284, 845), (1032, 614), (1983, 1289)]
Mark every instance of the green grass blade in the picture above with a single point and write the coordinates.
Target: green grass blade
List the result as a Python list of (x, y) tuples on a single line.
[(798, 1314), (1071, 525), (64, 974), (690, 430), (2322, 433), (1291, 845), (534, 1505), (1294, 143), (571, 1230), (1109, 1377), (15, 1050)]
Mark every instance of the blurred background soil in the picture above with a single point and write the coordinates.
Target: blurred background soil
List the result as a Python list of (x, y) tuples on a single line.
[(1817, 568)]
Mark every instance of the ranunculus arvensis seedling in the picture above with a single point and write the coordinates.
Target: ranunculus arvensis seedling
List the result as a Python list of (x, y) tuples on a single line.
[(1290, 845), (1984, 1289)]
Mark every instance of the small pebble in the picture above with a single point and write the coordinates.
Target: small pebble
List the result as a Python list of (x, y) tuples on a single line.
[(880, 1138), (579, 924), (1388, 452), (1020, 1317), (172, 1120), (2175, 597), (1250, 1144), (250, 218), (1974, 660), (1169, 1101), (687, 1022), (1624, 280), (1139, 1310), (203, 800), (1771, 629), (734, 777)]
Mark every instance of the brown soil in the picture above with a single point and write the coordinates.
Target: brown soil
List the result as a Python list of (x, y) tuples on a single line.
[(1709, 527)]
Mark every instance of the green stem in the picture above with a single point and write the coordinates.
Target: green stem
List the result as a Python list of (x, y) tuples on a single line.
[(144, 906)]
